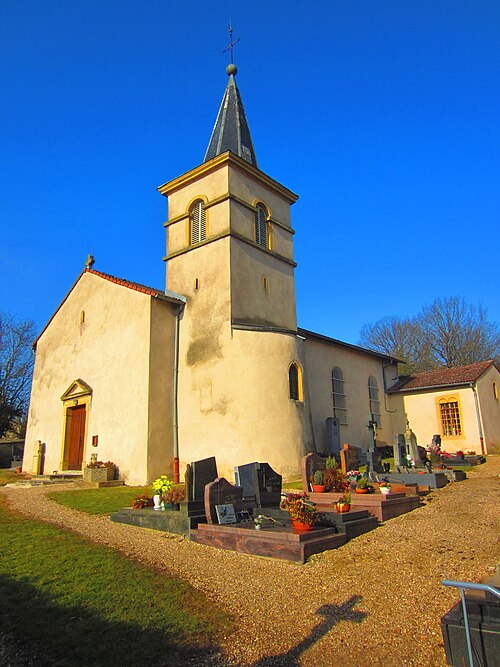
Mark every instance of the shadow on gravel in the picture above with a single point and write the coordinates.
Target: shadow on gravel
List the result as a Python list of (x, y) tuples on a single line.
[(35, 630), (332, 614)]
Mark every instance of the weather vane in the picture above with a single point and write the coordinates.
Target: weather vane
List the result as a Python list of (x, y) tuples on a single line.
[(231, 44)]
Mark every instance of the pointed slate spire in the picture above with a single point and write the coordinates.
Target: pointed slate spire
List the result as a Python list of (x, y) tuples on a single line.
[(231, 131)]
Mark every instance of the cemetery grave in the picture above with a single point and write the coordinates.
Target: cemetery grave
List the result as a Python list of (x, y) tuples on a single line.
[(221, 514)]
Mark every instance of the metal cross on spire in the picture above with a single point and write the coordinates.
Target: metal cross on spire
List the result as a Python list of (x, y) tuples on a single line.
[(231, 44)]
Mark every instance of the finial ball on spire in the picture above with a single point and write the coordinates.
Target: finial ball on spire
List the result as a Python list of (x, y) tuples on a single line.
[(231, 70)]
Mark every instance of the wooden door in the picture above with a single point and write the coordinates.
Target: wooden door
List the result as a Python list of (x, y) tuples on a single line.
[(76, 418)]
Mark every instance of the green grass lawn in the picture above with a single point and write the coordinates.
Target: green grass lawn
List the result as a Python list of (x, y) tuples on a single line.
[(73, 602), (8, 476), (100, 501)]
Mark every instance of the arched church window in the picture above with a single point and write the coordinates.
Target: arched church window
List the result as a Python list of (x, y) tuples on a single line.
[(295, 381), (338, 395), (261, 235), (374, 400), (198, 219)]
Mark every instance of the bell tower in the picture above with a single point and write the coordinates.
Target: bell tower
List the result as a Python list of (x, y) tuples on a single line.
[(229, 234)]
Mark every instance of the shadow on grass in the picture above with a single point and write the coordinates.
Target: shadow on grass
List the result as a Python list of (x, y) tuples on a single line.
[(45, 633), (332, 614)]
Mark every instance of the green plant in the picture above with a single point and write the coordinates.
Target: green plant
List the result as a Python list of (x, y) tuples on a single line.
[(331, 462), (318, 477), (334, 480), (93, 463), (435, 457), (300, 508), (345, 498), (175, 495), (162, 484), (362, 483), (141, 501)]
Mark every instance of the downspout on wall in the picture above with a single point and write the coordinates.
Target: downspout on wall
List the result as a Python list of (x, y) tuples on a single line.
[(178, 317), (479, 421)]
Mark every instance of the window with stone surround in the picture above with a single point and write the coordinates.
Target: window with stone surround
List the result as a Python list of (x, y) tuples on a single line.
[(451, 424), (295, 381)]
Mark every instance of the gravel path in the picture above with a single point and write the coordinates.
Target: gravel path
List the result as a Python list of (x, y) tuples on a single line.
[(377, 600)]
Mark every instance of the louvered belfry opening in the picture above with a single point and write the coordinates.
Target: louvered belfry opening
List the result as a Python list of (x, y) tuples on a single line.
[(261, 226), (198, 223)]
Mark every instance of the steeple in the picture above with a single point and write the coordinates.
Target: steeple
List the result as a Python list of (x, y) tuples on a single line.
[(231, 131)]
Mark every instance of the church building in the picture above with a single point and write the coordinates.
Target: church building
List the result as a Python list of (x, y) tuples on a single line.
[(214, 364)]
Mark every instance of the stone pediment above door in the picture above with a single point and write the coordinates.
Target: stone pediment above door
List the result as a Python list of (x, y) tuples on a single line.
[(76, 389)]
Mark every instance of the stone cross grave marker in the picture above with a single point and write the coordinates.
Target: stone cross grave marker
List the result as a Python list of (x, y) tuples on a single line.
[(221, 492)]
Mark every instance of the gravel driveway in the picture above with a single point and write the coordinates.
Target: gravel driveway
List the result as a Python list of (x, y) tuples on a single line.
[(375, 601)]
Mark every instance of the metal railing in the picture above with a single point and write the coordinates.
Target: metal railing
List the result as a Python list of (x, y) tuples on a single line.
[(463, 586)]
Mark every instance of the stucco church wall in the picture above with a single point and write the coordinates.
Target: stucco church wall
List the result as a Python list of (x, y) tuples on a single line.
[(490, 409), (321, 358), (423, 414), (251, 190), (238, 409), (250, 302), (161, 371), (110, 352)]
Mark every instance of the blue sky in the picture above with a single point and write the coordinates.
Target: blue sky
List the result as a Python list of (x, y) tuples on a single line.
[(381, 115)]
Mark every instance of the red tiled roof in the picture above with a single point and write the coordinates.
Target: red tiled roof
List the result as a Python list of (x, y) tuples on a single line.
[(127, 283), (443, 377), (150, 291)]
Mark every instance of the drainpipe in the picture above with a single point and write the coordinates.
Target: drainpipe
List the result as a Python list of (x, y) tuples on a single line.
[(478, 414), (178, 317)]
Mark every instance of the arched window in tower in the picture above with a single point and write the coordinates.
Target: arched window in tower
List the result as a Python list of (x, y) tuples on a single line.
[(295, 381), (338, 395), (261, 235), (374, 400), (198, 222)]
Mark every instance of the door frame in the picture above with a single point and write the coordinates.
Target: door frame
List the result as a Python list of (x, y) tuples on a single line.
[(78, 393)]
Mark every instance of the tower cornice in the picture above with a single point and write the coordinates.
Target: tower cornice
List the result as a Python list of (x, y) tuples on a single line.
[(231, 160)]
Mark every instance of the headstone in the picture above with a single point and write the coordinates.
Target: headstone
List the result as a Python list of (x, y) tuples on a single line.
[(411, 446), (399, 448), (349, 458), (202, 473), (374, 460), (261, 484), (246, 477), (436, 440), (310, 463), (221, 492), (333, 436), (269, 486)]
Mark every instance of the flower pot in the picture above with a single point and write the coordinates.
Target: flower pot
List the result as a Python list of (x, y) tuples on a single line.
[(362, 490), (385, 490), (98, 474), (299, 526), (342, 507), (157, 501), (318, 488)]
